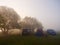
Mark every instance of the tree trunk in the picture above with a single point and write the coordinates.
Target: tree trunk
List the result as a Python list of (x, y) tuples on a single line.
[(5, 32)]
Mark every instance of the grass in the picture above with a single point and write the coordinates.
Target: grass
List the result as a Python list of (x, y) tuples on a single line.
[(29, 40)]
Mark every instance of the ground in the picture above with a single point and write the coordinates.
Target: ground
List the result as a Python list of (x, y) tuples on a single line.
[(30, 40)]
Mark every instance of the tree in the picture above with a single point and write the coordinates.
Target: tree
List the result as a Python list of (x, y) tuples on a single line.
[(10, 16), (2, 23), (13, 25), (31, 23)]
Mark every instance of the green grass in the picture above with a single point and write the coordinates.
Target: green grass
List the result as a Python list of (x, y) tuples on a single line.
[(29, 40)]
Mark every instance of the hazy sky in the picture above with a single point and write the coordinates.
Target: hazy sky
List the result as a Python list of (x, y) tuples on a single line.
[(46, 11)]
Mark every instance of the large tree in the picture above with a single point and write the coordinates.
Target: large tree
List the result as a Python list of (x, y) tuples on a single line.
[(31, 23), (10, 16)]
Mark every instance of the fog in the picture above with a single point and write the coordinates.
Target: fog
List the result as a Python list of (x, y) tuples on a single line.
[(46, 11)]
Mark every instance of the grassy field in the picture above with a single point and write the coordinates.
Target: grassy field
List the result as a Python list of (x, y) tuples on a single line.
[(30, 40)]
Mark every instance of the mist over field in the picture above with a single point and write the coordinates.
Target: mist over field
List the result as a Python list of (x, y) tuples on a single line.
[(46, 11), (29, 22)]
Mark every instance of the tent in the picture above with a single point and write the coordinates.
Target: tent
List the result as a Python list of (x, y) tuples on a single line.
[(51, 32)]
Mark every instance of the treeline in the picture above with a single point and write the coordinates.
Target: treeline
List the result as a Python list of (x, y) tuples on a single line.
[(9, 19)]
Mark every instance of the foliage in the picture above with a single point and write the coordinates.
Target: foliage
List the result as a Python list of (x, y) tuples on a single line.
[(2, 22), (8, 19), (10, 16), (30, 23), (11, 20)]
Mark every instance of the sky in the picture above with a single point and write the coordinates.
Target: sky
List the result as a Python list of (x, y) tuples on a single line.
[(46, 11)]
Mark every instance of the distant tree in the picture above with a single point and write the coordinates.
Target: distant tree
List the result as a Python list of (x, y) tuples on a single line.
[(31, 23)]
